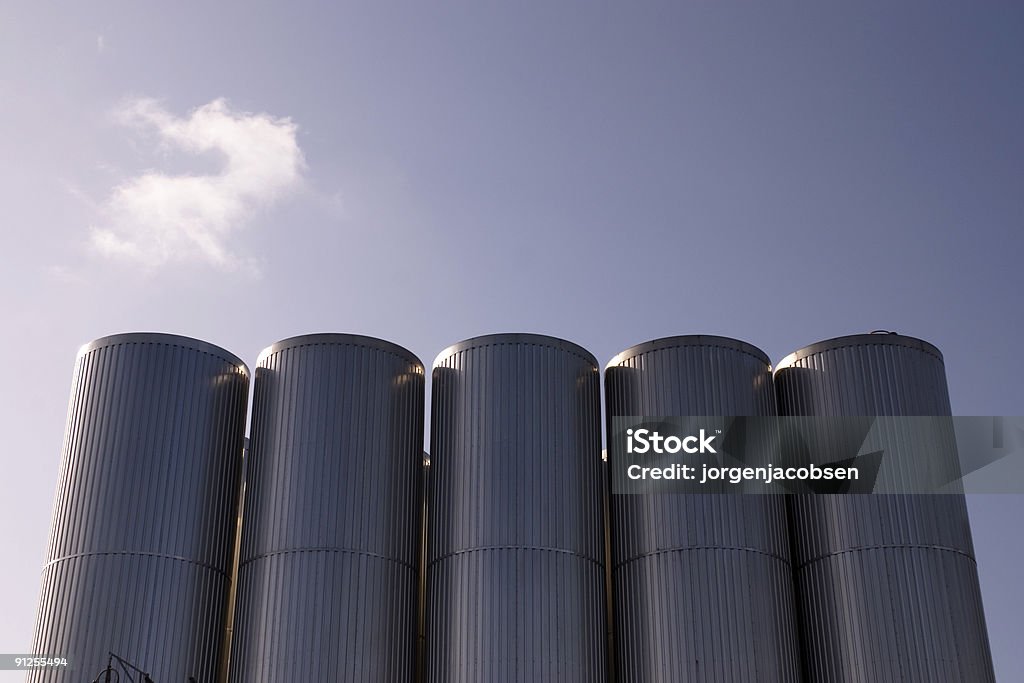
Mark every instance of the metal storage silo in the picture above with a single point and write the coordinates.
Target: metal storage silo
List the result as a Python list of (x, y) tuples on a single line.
[(515, 578), (702, 583), (144, 518), (331, 523), (887, 585)]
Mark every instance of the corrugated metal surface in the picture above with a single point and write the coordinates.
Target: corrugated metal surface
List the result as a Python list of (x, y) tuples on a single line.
[(421, 602), (702, 583), (229, 627), (140, 551), (515, 579), (887, 584), (331, 527)]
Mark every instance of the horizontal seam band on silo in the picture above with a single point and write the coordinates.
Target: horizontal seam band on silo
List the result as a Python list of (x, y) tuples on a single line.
[(564, 551), (327, 549), (130, 553), (687, 548), (889, 546)]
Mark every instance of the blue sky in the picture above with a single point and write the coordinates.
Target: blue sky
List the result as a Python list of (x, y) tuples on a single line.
[(777, 172)]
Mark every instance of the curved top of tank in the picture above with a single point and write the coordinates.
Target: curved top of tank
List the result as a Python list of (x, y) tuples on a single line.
[(340, 338), (688, 340), (164, 338), (877, 337), (516, 338)]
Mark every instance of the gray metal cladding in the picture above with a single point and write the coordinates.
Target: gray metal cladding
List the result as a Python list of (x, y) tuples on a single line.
[(887, 584), (140, 551), (328, 567), (702, 583), (515, 574)]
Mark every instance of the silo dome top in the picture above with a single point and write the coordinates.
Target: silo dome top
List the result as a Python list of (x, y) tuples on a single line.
[(689, 340), (876, 337), (341, 339), (166, 339), (516, 338)]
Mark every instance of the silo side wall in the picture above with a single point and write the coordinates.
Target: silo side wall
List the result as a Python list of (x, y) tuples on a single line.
[(515, 578), (331, 525), (702, 583), (140, 552), (887, 584)]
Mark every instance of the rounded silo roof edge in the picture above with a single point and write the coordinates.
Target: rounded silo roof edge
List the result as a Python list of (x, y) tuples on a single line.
[(164, 338), (888, 338), (341, 338), (516, 338), (688, 340)]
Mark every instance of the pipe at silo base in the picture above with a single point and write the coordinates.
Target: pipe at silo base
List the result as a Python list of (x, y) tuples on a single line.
[(702, 583), (887, 585), (327, 579), (140, 551), (515, 578)]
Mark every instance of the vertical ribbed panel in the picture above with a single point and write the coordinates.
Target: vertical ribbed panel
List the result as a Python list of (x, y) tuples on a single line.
[(515, 578), (702, 583), (331, 526), (140, 551), (421, 587), (887, 584)]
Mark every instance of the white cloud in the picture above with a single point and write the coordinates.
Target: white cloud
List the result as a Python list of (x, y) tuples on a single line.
[(155, 218)]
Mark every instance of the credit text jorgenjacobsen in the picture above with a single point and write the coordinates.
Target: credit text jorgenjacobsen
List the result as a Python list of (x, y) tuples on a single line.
[(644, 441), (736, 475)]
